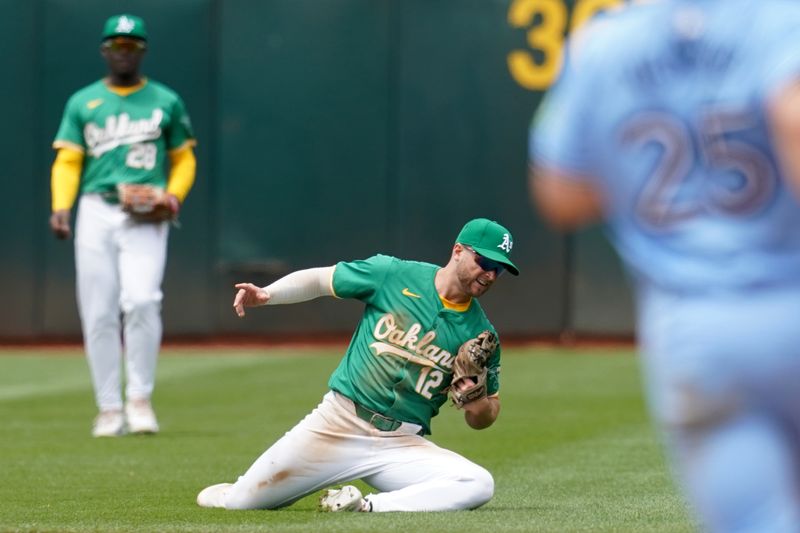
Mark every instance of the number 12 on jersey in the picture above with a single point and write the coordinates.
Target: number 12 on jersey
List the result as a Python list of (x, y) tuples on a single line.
[(429, 378)]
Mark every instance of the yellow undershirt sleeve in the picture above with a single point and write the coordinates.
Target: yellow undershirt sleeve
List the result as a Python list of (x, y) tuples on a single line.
[(183, 166), (65, 178)]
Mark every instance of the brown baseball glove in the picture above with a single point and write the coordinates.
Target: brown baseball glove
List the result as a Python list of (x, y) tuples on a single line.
[(147, 203), (470, 364)]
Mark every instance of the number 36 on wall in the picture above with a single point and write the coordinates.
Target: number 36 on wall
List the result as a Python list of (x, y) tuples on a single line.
[(546, 25)]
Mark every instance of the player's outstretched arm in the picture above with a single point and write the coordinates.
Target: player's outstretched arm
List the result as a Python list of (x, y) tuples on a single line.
[(299, 286)]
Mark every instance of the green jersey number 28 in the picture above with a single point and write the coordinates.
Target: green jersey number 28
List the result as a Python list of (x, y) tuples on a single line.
[(142, 155)]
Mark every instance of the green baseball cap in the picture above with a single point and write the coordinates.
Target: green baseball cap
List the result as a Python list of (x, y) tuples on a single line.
[(489, 239), (125, 26)]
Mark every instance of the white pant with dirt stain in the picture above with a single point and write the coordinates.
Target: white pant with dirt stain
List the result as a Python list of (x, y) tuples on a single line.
[(119, 266), (332, 445)]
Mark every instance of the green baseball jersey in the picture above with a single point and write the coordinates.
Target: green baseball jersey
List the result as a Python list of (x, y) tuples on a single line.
[(125, 139), (400, 359)]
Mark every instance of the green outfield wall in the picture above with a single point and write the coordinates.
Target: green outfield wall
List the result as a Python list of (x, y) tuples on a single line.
[(328, 130)]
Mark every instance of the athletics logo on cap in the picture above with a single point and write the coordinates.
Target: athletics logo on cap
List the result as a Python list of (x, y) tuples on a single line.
[(124, 26), (483, 235), (507, 243)]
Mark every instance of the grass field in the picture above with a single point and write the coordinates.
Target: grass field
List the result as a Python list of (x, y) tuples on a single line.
[(571, 451)]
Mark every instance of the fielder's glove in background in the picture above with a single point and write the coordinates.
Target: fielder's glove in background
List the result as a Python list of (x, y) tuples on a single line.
[(147, 203), (470, 363)]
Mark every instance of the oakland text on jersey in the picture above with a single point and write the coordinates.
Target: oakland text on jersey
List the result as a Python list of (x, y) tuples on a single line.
[(408, 344), (119, 130)]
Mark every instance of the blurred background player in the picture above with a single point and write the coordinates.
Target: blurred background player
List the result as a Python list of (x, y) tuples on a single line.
[(120, 130), (392, 380), (678, 122)]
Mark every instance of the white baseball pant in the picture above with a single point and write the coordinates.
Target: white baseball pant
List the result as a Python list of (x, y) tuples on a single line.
[(119, 266), (332, 445)]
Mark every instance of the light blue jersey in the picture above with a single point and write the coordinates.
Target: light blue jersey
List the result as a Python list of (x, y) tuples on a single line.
[(671, 121), (662, 110)]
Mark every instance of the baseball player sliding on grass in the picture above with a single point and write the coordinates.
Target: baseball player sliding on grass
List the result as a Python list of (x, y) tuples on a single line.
[(115, 133), (422, 334)]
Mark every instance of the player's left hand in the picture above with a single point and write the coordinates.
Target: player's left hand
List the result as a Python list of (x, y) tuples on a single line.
[(249, 295), (172, 204)]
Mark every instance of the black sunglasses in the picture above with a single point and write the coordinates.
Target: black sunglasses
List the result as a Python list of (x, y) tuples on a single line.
[(487, 264), (124, 45)]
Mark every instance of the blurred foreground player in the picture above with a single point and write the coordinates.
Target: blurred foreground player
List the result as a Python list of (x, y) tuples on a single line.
[(678, 122)]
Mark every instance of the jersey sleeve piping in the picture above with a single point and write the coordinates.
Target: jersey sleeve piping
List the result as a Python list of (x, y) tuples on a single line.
[(330, 283), (188, 143), (57, 145)]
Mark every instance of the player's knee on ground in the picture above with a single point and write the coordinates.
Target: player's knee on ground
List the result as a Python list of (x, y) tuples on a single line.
[(481, 487), (241, 497), (240, 500), (239, 504)]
